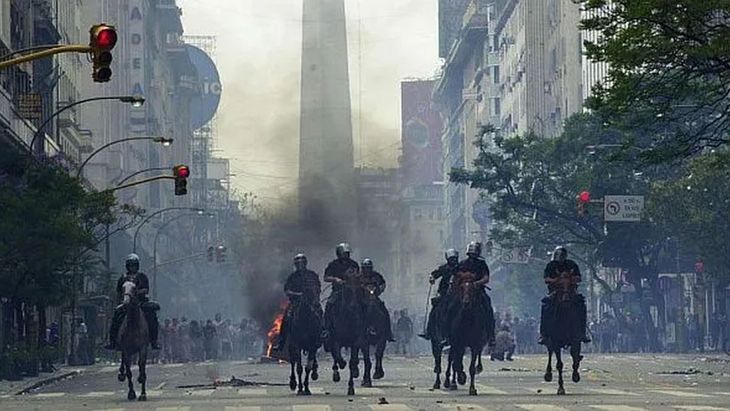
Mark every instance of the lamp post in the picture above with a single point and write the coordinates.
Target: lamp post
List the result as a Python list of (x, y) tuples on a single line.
[(146, 170), (166, 142), (158, 212), (154, 247), (135, 101)]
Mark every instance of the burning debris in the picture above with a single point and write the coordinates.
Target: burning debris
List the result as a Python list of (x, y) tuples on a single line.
[(273, 335)]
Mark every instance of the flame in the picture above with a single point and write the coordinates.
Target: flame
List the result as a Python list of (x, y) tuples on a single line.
[(275, 329)]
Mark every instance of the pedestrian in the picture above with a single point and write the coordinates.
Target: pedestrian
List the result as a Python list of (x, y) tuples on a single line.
[(209, 340), (404, 327)]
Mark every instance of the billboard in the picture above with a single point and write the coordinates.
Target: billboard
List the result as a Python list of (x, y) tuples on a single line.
[(421, 128), (204, 106)]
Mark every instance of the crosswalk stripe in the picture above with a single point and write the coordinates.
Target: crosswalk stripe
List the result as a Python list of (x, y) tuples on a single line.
[(172, 409), (684, 394), (699, 408), (202, 393), (50, 394), (259, 392), (463, 407), (313, 407), (111, 409), (540, 407), (171, 365), (234, 408), (485, 389), (610, 391), (390, 407), (721, 393), (109, 369), (369, 391), (616, 408), (98, 394)]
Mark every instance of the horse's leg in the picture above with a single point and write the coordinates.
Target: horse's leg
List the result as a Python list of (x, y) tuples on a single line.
[(577, 358), (480, 367), (122, 372), (366, 381), (475, 354), (436, 351), (353, 369), (453, 386), (315, 365), (549, 370), (459, 363), (559, 366), (142, 364), (299, 372), (311, 361), (131, 395), (379, 353), (336, 361), (292, 377)]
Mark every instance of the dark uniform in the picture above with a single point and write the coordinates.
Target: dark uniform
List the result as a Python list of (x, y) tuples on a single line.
[(304, 282), (554, 269), (338, 268), (149, 309), (376, 281), (478, 267), (437, 316)]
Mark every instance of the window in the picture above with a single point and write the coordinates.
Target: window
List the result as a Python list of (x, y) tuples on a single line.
[(495, 75)]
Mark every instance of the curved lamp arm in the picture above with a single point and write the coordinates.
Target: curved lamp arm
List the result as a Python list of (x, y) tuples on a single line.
[(158, 212), (161, 140)]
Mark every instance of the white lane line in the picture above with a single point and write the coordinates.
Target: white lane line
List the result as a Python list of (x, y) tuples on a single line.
[(171, 365), (369, 391), (253, 392), (50, 395), (540, 407), (616, 408), (390, 407), (463, 407), (699, 408), (110, 409), (172, 409), (202, 393), (485, 389), (97, 394), (313, 407), (721, 393), (683, 394), (234, 408), (609, 391), (109, 369)]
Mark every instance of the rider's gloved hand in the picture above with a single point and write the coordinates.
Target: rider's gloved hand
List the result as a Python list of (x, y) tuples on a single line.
[(431, 280)]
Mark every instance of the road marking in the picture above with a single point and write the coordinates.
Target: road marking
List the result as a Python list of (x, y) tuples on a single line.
[(313, 407), (161, 385), (110, 409), (699, 408), (258, 392), (616, 408), (51, 395), (369, 391), (172, 409), (232, 408), (609, 391), (98, 394), (463, 407), (171, 365), (721, 393), (485, 389), (684, 394), (390, 407), (202, 393), (540, 407), (109, 369)]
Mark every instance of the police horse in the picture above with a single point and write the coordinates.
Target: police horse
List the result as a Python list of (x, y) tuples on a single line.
[(376, 319), (564, 330), (348, 330), (133, 340), (304, 338)]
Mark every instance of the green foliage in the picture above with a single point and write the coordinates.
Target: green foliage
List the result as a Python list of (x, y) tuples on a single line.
[(669, 71)]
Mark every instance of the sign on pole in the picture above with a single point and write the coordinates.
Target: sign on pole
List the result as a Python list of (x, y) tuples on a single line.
[(516, 256), (623, 208)]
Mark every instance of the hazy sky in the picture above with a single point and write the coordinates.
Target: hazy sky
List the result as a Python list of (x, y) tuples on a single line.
[(259, 57)]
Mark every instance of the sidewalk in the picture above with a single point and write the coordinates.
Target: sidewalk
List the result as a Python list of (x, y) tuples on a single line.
[(13, 387)]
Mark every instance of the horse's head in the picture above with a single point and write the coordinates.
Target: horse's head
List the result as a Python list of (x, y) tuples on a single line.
[(129, 289), (564, 287), (465, 288)]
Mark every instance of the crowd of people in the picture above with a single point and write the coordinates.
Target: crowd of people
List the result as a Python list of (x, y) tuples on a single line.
[(186, 340)]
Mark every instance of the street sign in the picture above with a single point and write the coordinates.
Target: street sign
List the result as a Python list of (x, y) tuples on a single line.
[(516, 256), (623, 208)]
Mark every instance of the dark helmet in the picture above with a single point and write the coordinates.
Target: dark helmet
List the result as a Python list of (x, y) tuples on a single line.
[(343, 250), (132, 263), (451, 254), (367, 264), (560, 253), (300, 261), (474, 249)]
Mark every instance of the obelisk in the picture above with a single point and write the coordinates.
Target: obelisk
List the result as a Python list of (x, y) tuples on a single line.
[(326, 174)]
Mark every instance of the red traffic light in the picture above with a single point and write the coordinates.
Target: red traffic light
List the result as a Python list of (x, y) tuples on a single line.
[(182, 171), (103, 37), (584, 197)]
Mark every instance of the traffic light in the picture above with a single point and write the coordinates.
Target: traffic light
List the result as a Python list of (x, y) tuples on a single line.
[(582, 202), (211, 253), (220, 252), (181, 174), (488, 247), (103, 38)]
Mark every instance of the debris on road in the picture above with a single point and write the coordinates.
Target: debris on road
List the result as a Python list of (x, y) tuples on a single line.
[(508, 369), (688, 371), (233, 382), (382, 401)]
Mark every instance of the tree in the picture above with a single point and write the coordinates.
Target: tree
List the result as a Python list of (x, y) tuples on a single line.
[(531, 184), (669, 71)]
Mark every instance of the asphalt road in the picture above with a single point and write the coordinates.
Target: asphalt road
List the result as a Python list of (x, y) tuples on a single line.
[(613, 383)]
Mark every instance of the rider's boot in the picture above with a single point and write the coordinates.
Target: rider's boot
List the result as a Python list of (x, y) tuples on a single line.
[(388, 328), (154, 328), (114, 330), (583, 309)]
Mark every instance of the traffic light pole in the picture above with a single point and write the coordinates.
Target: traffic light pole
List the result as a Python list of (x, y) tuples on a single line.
[(136, 183), (78, 48), (158, 212)]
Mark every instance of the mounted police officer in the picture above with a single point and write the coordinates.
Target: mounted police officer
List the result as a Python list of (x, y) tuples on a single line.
[(336, 273), (560, 265), (301, 284), (373, 279), (148, 308), (437, 316), (475, 264)]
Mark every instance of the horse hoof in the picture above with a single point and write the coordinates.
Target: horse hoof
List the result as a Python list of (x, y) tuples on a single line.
[(140, 380), (142, 397), (315, 375), (447, 384), (576, 376), (292, 385), (561, 391), (453, 387), (121, 377), (548, 376), (367, 384), (131, 396), (336, 377), (480, 368), (461, 378), (342, 364), (379, 374), (300, 392), (472, 391), (351, 391), (307, 392), (437, 386), (356, 373)]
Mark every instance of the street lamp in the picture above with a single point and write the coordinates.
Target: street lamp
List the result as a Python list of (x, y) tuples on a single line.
[(134, 100), (157, 236), (146, 170), (146, 220), (165, 142)]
